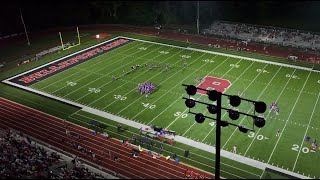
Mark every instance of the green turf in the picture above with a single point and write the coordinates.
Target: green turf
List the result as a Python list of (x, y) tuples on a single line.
[(297, 98)]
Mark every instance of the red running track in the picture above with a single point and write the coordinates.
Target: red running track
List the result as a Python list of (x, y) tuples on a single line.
[(52, 130)]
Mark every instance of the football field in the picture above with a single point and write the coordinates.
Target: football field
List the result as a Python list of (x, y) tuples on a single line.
[(295, 90)]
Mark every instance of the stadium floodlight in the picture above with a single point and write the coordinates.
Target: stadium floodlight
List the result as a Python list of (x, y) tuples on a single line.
[(212, 109), (235, 101), (260, 107), (190, 103), (199, 118), (243, 129), (213, 95), (259, 122), (234, 115), (224, 123), (191, 90)]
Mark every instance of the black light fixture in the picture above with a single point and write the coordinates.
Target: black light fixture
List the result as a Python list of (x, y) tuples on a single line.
[(224, 123), (213, 95), (259, 122), (190, 103), (243, 129), (212, 109), (260, 107), (234, 115), (191, 90), (199, 118), (234, 101)]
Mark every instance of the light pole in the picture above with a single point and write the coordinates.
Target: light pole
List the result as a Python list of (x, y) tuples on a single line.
[(235, 101)]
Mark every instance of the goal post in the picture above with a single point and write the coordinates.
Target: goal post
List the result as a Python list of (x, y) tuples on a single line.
[(70, 46)]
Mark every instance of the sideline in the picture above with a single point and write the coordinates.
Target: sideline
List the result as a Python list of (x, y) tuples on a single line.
[(180, 139)]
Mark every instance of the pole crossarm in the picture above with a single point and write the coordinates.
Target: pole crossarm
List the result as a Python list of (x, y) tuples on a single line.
[(222, 94), (253, 116), (235, 101), (223, 121)]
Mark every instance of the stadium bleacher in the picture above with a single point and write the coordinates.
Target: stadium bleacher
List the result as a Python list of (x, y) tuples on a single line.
[(265, 34)]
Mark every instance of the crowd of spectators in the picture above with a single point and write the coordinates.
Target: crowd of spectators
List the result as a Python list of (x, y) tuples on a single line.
[(21, 158), (265, 34), (77, 172)]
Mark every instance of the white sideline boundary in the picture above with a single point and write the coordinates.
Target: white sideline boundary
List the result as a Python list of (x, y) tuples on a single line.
[(228, 55), (188, 48), (137, 125), (64, 57)]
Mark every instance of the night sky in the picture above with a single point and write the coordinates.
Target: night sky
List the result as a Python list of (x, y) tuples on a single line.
[(40, 15)]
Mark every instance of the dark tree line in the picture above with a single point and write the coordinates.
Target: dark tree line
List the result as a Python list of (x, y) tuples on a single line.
[(45, 14)]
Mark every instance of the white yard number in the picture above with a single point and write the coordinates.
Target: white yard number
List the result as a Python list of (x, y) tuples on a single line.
[(208, 60), (148, 105), (182, 115), (296, 148), (235, 65), (263, 71), (143, 48), (185, 56), (94, 90), (71, 83), (319, 81), (212, 123), (259, 137), (292, 76), (120, 97), (163, 52)]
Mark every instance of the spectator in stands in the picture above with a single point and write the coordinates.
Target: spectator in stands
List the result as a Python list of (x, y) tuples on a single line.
[(20, 158)]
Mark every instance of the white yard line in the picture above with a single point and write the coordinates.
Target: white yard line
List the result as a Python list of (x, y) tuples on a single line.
[(200, 94), (158, 84), (87, 67), (161, 111), (103, 67), (165, 81), (230, 55), (288, 118), (240, 95), (199, 50), (167, 91), (257, 133), (109, 72), (226, 90), (305, 134), (256, 99), (196, 154), (64, 57), (179, 138), (262, 174), (123, 83), (134, 78)]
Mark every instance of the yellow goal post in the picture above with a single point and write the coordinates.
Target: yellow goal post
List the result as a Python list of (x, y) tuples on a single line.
[(71, 46)]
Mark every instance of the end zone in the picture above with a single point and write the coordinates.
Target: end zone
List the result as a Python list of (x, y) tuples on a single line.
[(47, 70)]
